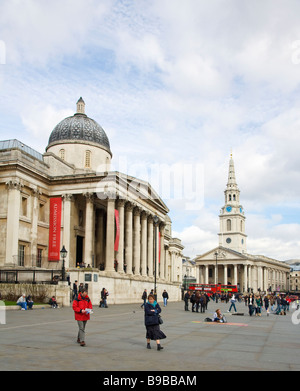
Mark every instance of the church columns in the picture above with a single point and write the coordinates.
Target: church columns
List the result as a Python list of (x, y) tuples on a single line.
[(150, 246), (144, 243), (67, 199), (206, 274), (245, 278), (225, 274), (162, 250), (89, 229), (235, 277), (137, 245)]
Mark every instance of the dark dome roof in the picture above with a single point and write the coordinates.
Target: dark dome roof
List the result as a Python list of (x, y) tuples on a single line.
[(79, 127)]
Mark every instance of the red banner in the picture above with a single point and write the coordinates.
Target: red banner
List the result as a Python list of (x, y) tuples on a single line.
[(117, 230), (54, 229)]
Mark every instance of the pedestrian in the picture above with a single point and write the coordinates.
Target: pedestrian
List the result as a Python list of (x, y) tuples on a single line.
[(202, 303), (75, 290), (193, 301), (104, 295), (207, 300), (82, 307), (186, 301), (22, 302), (267, 304), (144, 298), (251, 304), (165, 297), (232, 303), (153, 331), (29, 302)]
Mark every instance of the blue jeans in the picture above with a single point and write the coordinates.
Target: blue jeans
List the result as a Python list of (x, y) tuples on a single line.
[(23, 305), (165, 301), (232, 305)]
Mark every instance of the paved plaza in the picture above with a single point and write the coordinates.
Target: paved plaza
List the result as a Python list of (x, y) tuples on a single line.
[(45, 339)]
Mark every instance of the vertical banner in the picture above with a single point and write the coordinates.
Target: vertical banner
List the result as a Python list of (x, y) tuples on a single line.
[(159, 246), (117, 230), (54, 229)]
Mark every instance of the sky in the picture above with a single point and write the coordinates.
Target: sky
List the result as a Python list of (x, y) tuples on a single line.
[(177, 86)]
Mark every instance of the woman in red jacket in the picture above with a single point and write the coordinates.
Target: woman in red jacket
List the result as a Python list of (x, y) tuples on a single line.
[(82, 307)]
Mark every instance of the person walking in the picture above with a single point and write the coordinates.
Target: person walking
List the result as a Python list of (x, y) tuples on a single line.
[(75, 290), (153, 331), (203, 303), (144, 298), (165, 297), (232, 304), (193, 301), (267, 304), (197, 301), (251, 304), (186, 300), (82, 307)]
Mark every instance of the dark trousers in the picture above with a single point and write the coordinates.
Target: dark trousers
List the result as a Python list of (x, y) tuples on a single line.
[(202, 307), (186, 305)]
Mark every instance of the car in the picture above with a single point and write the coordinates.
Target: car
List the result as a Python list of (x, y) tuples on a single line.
[(294, 297)]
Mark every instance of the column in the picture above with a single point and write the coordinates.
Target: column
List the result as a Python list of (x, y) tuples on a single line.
[(265, 284), (235, 278), (225, 274), (260, 282), (162, 250), (245, 278), (12, 224), (89, 229), (100, 245), (144, 244), (136, 240), (67, 198), (249, 276), (120, 252), (34, 225), (128, 238), (110, 235), (206, 274), (150, 258)]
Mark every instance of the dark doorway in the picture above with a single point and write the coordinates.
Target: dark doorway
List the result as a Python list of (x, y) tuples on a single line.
[(79, 249)]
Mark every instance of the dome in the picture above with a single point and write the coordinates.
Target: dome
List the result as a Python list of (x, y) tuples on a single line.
[(79, 127)]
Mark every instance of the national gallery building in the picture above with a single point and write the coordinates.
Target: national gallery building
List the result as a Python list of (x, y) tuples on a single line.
[(112, 226)]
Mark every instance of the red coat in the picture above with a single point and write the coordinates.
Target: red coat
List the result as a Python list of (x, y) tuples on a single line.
[(81, 303)]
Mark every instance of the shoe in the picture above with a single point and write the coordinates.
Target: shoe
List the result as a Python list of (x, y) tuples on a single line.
[(82, 343), (159, 347), (148, 346)]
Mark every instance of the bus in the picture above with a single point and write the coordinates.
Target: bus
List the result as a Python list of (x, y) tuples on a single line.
[(214, 288)]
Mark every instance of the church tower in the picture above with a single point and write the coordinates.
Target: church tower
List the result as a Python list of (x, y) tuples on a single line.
[(232, 217)]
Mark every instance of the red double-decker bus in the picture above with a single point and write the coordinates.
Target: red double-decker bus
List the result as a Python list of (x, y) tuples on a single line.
[(213, 288)]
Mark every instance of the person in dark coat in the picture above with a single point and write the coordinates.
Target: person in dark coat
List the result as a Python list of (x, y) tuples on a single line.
[(154, 333), (186, 301), (193, 301)]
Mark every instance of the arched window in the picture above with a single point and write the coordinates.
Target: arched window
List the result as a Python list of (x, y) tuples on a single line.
[(62, 154), (229, 197), (228, 225), (233, 197), (87, 160)]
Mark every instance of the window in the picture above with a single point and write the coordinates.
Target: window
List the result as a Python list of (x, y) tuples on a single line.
[(241, 225), (42, 212), (87, 161), (228, 225), (233, 197), (39, 257), (21, 255), (62, 153), (24, 206), (229, 197)]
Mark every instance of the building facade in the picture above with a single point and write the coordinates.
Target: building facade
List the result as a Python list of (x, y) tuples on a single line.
[(107, 219), (230, 263)]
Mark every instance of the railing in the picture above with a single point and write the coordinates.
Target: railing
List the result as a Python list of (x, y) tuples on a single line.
[(35, 276), (35, 261)]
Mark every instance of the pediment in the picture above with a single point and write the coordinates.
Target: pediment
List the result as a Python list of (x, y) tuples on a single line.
[(223, 254)]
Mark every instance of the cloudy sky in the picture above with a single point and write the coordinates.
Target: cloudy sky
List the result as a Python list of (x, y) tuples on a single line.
[(177, 85)]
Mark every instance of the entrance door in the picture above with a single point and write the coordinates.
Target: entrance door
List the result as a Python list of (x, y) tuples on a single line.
[(79, 249)]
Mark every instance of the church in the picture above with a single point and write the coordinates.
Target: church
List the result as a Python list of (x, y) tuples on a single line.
[(115, 228), (230, 263)]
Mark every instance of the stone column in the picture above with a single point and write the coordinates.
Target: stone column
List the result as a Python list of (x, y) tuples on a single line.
[(110, 235), (206, 274), (89, 229), (34, 225), (144, 244), (225, 274), (120, 252), (245, 278), (265, 280), (137, 240), (249, 276), (150, 258), (12, 224), (260, 282), (67, 198), (235, 278), (100, 245), (128, 238), (162, 250)]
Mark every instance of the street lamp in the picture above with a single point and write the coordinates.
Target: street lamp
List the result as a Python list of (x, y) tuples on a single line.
[(63, 254), (156, 220)]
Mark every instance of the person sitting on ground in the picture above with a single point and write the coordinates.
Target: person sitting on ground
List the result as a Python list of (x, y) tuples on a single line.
[(22, 302), (29, 302), (53, 302), (218, 317)]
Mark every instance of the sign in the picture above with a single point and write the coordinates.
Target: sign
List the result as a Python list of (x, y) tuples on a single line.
[(54, 229)]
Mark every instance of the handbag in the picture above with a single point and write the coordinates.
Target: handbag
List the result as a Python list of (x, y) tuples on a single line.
[(160, 321)]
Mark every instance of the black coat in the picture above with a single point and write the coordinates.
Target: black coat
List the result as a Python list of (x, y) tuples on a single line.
[(151, 317)]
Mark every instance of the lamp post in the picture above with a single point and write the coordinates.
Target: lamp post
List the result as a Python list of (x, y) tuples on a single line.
[(155, 220), (63, 254)]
